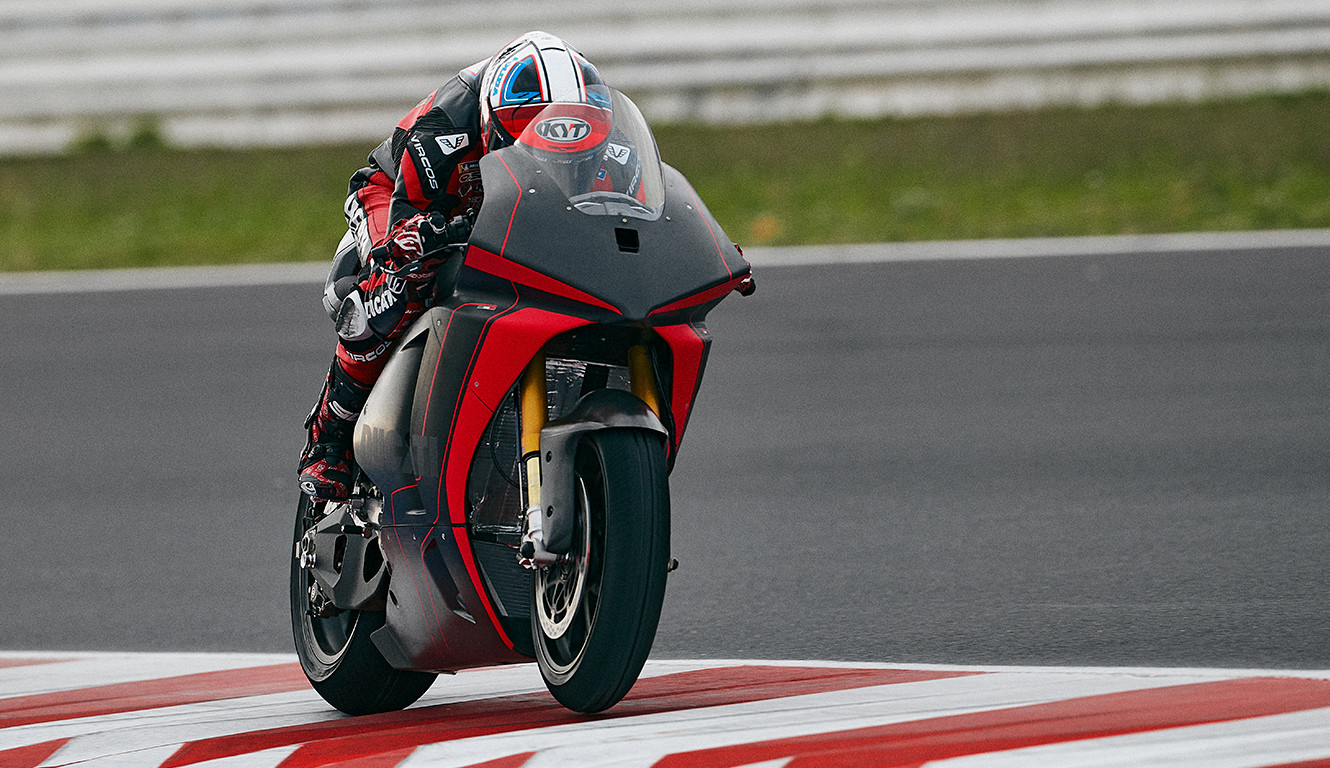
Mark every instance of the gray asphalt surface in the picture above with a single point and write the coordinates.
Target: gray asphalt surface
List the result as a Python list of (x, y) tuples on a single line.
[(1117, 460)]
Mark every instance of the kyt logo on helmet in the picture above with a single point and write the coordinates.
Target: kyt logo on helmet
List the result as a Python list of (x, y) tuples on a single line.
[(563, 130)]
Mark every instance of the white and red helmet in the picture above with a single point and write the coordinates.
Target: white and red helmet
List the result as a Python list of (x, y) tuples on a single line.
[(540, 76)]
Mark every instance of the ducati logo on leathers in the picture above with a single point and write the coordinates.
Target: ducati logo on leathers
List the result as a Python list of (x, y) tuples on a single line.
[(380, 303), (384, 296)]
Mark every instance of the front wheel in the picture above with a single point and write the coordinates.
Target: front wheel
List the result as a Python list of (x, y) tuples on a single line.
[(594, 615), (334, 646)]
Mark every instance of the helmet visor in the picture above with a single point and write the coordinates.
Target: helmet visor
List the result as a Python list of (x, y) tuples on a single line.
[(604, 160)]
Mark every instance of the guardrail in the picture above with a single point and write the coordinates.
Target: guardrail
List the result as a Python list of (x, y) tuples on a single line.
[(297, 71)]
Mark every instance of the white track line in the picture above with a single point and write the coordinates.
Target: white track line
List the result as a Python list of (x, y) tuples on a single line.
[(102, 280), (1039, 247), (93, 281), (1211, 673)]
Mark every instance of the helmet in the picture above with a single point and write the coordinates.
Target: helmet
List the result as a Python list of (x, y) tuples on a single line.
[(529, 76)]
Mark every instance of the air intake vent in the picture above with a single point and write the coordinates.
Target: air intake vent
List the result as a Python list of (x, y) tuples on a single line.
[(628, 242)]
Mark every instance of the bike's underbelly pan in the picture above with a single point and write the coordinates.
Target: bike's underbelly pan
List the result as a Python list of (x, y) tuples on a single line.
[(446, 606)]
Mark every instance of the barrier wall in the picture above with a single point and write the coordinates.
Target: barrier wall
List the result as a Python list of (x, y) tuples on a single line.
[(236, 72)]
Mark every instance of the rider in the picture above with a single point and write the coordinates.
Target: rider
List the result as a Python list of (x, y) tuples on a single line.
[(417, 196)]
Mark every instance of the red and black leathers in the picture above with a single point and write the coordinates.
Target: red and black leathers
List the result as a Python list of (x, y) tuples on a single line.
[(400, 210), (426, 171)]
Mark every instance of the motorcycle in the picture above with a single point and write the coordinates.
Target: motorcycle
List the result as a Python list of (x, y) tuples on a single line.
[(512, 500)]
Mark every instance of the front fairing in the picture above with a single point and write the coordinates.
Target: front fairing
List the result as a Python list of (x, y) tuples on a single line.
[(636, 255)]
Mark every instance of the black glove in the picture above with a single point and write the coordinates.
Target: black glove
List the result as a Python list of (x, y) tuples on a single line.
[(441, 233), (747, 285), (416, 247)]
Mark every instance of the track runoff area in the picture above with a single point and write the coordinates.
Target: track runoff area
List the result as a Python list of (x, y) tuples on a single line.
[(258, 711)]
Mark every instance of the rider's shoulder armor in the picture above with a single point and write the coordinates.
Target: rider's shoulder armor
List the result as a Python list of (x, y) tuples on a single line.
[(427, 148), (472, 75), (447, 114)]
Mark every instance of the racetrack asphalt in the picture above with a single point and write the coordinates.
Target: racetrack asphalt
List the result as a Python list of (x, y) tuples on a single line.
[(1093, 460)]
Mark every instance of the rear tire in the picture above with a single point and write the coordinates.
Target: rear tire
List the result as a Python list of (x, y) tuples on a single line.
[(336, 652), (593, 619)]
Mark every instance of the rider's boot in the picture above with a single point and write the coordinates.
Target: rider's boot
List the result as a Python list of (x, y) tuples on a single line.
[(326, 463)]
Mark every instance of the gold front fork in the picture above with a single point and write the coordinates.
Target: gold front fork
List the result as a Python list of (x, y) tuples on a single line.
[(643, 377), (534, 412), (534, 408)]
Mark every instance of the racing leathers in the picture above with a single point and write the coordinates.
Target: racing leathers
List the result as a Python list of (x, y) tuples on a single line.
[(416, 196)]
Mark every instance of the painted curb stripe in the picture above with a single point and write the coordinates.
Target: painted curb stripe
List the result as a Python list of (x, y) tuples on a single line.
[(1269, 741), (30, 756), (642, 741), (153, 694), (248, 712), (364, 737), (395, 758), (6, 663), (922, 741), (88, 670)]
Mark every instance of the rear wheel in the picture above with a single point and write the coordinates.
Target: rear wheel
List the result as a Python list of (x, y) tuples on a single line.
[(594, 616), (335, 648)]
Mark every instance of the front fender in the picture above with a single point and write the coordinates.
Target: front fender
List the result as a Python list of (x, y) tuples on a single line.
[(600, 409)]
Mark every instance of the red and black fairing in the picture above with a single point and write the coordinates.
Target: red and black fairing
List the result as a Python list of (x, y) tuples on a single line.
[(539, 276)]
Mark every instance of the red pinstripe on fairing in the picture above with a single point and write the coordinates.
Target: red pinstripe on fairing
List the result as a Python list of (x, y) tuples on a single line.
[(701, 297)]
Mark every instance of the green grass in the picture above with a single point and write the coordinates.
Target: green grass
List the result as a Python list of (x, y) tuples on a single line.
[(1257, 163), (152, 207), (1254, 163)]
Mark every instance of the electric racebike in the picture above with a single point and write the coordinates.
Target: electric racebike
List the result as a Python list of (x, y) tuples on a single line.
[(511, 501)]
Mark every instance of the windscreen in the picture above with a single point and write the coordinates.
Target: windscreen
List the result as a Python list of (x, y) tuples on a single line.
[(603, 159)]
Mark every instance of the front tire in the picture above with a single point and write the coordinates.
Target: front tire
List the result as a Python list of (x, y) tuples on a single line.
[(594, 617), (336, 652)]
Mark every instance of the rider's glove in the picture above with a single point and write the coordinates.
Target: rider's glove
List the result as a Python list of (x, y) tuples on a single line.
[(416, 247), (748, 285)]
